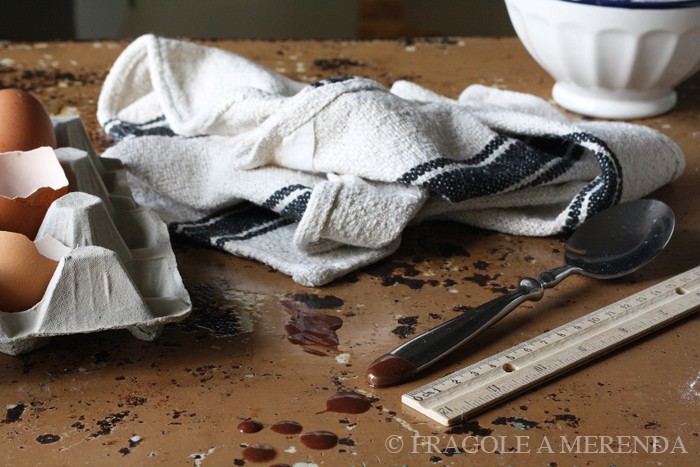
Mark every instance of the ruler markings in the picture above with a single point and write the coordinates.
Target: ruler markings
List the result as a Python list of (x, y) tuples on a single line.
[(514, 370)]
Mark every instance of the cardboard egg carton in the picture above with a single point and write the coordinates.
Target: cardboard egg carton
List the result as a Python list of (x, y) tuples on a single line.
[(121, 271)]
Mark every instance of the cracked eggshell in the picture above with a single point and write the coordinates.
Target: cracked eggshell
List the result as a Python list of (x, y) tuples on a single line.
[(29, 182), (24, 122), (24, 272)]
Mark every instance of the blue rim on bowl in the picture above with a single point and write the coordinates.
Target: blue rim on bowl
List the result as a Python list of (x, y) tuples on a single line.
[(641, 4)]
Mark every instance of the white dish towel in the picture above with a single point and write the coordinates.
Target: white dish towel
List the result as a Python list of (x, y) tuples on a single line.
[(320, 179)]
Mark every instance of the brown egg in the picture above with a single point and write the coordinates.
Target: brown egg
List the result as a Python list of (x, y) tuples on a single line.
[(24, 272), (24, 122)]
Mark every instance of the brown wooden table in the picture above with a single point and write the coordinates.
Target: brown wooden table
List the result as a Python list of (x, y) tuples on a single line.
[(109, 398)]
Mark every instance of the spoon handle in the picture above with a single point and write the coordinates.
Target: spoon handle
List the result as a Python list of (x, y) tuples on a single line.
[(425, 349)]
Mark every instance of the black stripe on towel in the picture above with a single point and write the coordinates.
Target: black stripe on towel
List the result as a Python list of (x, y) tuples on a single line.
[(513, 165), (507, 164), (119, 129), (242, 222), (290, 201), (603, 191), (435, 164)]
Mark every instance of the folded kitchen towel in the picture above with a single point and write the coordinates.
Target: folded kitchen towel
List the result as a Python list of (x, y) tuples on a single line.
[(319, 179)]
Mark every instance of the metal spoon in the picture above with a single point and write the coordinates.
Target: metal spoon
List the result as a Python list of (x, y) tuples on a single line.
[(613, 243)]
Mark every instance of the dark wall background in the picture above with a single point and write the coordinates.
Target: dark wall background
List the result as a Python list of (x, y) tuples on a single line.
[(28, 20), (36, 19)]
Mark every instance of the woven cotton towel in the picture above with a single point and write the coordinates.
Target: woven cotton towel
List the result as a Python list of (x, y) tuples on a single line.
[(319, 179)]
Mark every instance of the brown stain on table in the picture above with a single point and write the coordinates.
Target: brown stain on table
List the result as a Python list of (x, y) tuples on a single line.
[(315, 332), (287, 427)]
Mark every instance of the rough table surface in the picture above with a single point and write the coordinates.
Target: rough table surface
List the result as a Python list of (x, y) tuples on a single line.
[(110, 399)]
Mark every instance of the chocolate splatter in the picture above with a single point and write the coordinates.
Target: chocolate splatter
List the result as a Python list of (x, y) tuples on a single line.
[(444, 40), (314, 301), (408, 326), (414, 284), (571, 420), (334, 63), (505, 253), (410, 320), (404, 331), (47, 438), (106, 425), (30, 80), (348, 402), (516, 422), (250, 426), (204, 372), (287, 427), (451, 451), (480, 279), (398, 272), (78, 425), (259, 453), (310, 328), (470, 427), (14, 413), (388, 268), (134, 401), (319, 440)]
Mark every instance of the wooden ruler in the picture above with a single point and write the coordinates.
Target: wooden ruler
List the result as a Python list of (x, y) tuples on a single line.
[(467, 391)]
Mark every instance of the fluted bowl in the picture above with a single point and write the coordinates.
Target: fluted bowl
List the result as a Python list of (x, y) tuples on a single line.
[(616, 59)]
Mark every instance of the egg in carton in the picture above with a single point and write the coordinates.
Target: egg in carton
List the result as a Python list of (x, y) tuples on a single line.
[(119, 271)]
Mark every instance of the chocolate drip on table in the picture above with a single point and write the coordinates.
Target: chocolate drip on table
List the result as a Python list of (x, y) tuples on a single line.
[(347, 402), (250, 426), (311, 329), (319, 440), (259, 453), (287, 427)]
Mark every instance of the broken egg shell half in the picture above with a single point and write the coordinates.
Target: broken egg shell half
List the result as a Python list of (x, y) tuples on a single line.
[(25, 272), (29, 182)]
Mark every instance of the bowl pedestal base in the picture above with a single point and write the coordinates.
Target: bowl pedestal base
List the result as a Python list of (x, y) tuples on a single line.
[(613, 105)]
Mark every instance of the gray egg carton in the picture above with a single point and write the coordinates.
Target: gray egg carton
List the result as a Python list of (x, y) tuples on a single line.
[(121, 271)]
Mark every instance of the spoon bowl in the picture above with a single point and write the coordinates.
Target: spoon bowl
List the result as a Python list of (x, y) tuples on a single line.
[(641, 230), (611, 244)]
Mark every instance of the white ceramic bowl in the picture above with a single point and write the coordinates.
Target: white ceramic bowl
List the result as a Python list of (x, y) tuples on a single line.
[(612, 58)]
